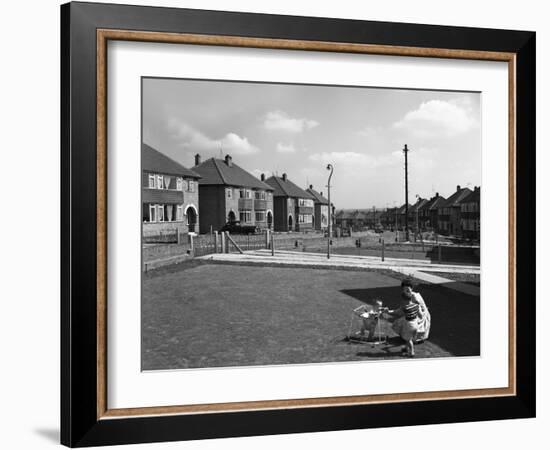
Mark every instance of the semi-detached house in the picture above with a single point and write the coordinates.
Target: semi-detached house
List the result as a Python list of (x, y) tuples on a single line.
[(169, 194), (229, 193)]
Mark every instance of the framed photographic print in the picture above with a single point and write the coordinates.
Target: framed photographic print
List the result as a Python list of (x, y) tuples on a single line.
[(276, 224)]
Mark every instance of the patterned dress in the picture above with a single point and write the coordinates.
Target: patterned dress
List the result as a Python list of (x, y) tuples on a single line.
[(414, 323)]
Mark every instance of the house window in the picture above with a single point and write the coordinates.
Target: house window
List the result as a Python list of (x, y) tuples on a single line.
[(229, 192), (260, 216), (159, 182), (169, 212), (305, 202), (152, 213), (179, 184), (259, 195), (245, 216), (160, 212), (191, 186), (179, 213), (151, 181), (248, 194)]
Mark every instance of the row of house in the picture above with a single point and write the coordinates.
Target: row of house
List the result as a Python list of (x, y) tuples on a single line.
[(458, 215), (172, 193)]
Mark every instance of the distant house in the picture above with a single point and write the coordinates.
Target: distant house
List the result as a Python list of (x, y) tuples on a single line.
[(470, 215), (344, 218), (414, 214), (449, 212), (359, 219), (401, 213), (425, 221), (294, 207), (169, 194), (389, 218), (320, 214), (433, 212), (229, 193)]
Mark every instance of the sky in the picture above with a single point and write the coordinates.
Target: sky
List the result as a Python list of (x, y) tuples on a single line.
[(299, 129)]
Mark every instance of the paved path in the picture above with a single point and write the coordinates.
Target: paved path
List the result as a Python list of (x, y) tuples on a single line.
[(413, 267), (317, 259)]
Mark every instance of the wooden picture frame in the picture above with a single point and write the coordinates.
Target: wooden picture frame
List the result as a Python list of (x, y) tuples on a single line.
[(86, 418)]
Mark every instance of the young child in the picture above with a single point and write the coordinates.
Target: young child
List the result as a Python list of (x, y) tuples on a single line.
[(370, 318), (413, 319)]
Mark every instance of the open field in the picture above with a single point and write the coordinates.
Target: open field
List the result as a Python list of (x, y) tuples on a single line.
[(215, 315)]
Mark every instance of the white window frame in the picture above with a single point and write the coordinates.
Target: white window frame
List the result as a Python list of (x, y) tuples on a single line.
[(247, 216), (159, 209), (229, 193), (179, 213), (262, 216), (179, 184), (152, 213), (160, 182), (153, 179), (191, 186)]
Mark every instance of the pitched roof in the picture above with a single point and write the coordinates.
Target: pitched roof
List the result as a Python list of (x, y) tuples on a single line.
[(473, 197), (456, 198), (154, 161), (401, 209), (218, 172), (418, 205), (360, 215), (438, 203), (429, 203), (286, 188), (317, 196)]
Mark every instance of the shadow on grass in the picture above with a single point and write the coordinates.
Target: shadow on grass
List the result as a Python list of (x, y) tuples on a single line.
[(455, 325)]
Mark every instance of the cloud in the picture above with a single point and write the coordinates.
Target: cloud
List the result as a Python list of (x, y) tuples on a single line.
[(369, 132), (233, 143), (355, 159), (438, 118), (190, 138), (285, 148), (281, 121)]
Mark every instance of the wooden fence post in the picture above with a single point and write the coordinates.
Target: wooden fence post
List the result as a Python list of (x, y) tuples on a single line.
[(192, 244), (272, 245), (215, 242), (223, 241), (383, 249)]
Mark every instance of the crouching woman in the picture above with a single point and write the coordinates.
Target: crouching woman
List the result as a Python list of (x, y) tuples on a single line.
[(412, 318)]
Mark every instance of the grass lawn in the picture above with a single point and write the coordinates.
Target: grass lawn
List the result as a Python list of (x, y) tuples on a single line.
[(215, 315)]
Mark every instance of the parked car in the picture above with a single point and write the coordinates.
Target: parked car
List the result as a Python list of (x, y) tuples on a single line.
[(237, 228)]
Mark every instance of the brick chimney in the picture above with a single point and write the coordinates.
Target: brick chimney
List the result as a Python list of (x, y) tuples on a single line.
[(262, 177), (284, 176), (197, 159), (437, 194), (229, 160), (458, 187), (311, 186)]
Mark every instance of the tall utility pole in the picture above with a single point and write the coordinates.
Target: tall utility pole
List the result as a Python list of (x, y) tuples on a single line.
[(331, 169), (405, 151)]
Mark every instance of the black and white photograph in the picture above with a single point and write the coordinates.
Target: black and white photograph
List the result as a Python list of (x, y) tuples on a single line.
[(299, 223)]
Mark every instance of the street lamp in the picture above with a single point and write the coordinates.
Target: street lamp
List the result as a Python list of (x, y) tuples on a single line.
[(417, 205), (329, 167)]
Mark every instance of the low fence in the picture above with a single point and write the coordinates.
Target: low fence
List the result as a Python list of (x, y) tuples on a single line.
[(364, 245)]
